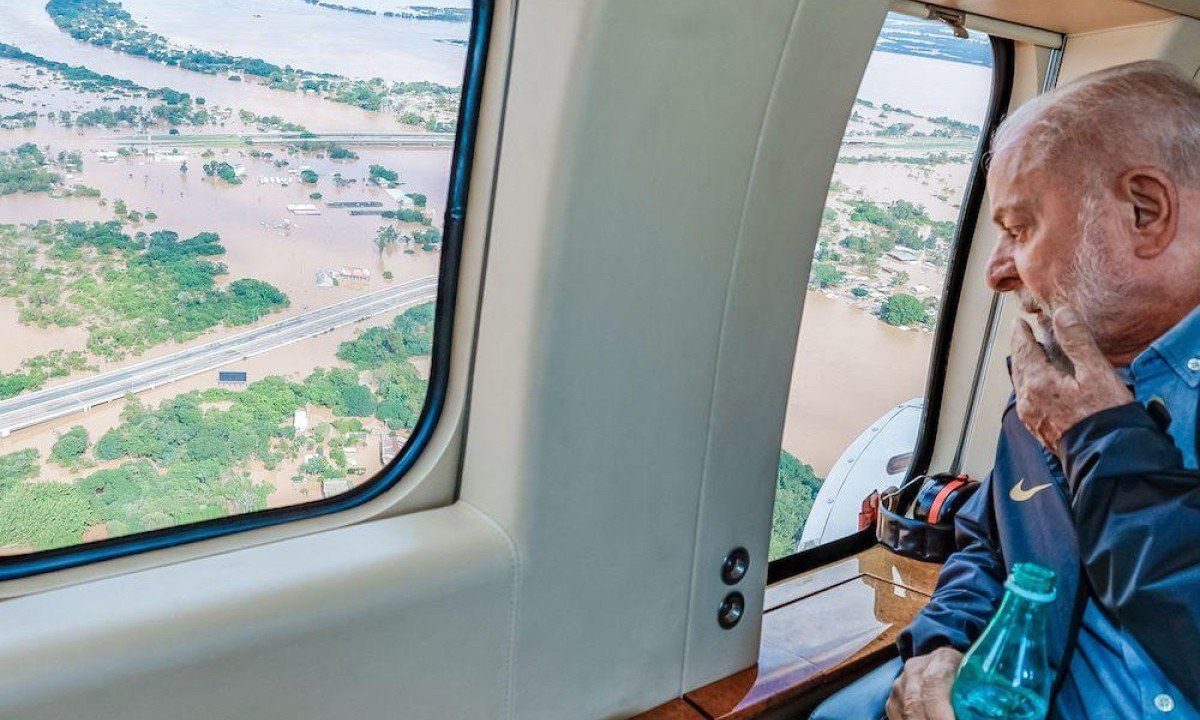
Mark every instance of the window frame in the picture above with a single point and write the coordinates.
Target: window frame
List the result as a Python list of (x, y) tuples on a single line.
[(461, 164), (1003, 52)]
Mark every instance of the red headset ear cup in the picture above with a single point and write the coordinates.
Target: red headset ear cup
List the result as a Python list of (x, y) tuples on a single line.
[(942, 500)]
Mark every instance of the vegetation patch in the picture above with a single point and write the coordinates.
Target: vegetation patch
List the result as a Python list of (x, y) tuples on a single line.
[(81, 78), (43, 515), (24, 169), (36, 370), (130, 292), (190, 458), (222, 170), (795, 490), (903, 310), (70, 448)]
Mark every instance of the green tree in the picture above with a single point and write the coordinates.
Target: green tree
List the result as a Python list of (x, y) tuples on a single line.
[(337, 152), (18, 466), (358, 400), (796, 487), (70, 447), (309, 176), (940, 231), (826, 275), (43, 515), (110, 446), (403, 394), (379, 172), (385, 236), (374, 347), (903, 310), (907, 236), (903, 210)]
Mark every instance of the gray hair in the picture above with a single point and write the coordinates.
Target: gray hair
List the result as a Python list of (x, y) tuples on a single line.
[(1097, 127)]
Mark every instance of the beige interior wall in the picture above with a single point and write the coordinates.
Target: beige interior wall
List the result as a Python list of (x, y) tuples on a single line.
[(1176, 41), (1066, 16), (627, 407), (401, 618)]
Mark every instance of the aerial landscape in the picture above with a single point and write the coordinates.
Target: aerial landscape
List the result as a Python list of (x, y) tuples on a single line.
[(219, 248), (217, 267), (886, 238)]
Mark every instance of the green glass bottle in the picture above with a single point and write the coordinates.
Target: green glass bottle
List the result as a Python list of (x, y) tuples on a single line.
[(1006, 673)]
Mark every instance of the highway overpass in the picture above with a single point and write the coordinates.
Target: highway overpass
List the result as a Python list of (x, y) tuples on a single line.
[(420, 140), (81, 395)]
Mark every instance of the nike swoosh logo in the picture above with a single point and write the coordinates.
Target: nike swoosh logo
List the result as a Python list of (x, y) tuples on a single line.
[(1020, 493)]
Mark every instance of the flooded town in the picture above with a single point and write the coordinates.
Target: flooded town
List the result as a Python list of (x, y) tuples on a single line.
[(166, 226)]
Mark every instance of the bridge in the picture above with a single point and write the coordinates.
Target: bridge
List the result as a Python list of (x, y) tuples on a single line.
[(81, 395), (419, 140)]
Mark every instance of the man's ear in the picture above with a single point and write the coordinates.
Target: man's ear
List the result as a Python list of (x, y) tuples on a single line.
[(1153, 201)]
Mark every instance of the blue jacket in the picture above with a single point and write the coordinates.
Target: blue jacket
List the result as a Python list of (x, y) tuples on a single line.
[(1120, 517)]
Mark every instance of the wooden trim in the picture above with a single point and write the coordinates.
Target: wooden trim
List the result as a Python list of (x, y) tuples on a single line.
[(677, 709)]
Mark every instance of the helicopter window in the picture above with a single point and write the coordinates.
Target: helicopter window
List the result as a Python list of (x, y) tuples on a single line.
[(222, 260), (878, 275)]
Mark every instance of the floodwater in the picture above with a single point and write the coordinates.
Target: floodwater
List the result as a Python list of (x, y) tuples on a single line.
[(928, 87), (262, 238), (850, 370), (26, 24), (292, 32)]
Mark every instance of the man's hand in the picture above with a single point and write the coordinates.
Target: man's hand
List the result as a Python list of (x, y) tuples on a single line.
[(1051, 401), (922, 692)]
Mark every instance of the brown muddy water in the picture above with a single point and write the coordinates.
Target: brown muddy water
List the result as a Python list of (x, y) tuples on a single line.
[(850, 370)]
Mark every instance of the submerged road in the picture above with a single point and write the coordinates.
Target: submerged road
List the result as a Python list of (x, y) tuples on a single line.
[(44, 405)]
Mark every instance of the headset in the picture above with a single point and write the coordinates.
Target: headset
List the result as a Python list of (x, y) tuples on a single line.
[(917, 519)]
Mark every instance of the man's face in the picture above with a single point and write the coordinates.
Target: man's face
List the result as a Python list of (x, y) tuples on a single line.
[(1054, 246)]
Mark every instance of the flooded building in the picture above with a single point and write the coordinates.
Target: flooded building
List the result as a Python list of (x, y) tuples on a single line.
[(350, 273), (330, 488), (390, 445)]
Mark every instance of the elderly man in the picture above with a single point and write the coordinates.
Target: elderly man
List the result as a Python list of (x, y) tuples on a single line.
[(1095, 188)]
